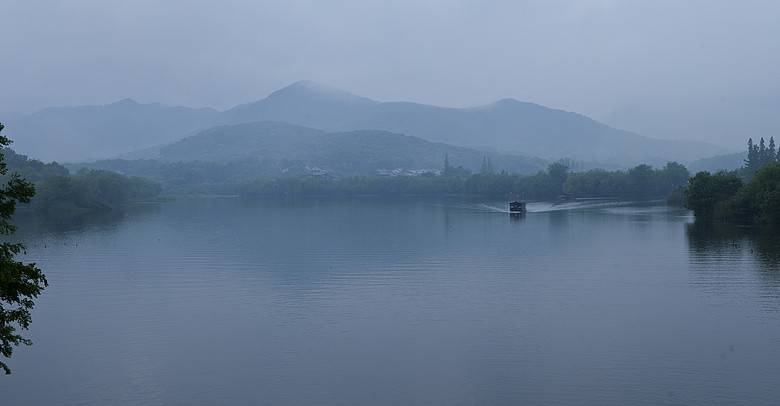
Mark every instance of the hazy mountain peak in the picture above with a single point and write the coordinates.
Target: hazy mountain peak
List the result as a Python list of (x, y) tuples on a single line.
[(510, 103), (126, 101), (308, 90), (303, 103), (506, 101)]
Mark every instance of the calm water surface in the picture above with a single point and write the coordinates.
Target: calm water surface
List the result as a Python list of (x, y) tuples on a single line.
[(403, 302)]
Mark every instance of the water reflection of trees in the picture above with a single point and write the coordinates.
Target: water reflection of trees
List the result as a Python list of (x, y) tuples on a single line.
[(38, 224), (725, 247)]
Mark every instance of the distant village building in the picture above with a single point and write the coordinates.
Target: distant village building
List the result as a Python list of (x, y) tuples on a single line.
[(406, 172), (317, 171), (322, 173)]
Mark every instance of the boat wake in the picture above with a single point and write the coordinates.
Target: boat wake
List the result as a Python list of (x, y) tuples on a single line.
[(545, 206)]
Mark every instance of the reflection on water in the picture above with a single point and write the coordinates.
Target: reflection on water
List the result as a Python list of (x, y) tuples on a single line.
[(724, 254), (715, 241), (37, 224), (398, 301)]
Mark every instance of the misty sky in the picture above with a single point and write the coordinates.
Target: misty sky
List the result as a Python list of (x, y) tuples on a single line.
[(590, 57)]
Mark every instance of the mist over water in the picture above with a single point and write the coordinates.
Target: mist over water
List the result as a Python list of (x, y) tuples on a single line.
[(401, 301)]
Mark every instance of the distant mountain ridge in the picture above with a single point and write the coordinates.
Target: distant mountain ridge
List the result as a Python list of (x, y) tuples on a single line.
[(90, 132), (508, 126)]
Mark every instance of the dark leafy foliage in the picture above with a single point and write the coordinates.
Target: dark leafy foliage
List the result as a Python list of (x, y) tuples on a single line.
[(32, 170), (710, 195), (759, 200), (20, 283)]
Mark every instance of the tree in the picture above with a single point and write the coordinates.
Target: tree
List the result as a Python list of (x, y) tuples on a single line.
[(710, 195), (19, 282), (771, 152), (759, 155), (674, 175), (759, 200), (751, 163), (558, 172), (642, 181)]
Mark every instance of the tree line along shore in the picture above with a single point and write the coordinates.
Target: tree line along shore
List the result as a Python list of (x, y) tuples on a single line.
[(749, 194)]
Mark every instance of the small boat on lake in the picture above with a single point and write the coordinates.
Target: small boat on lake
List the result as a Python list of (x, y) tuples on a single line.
[(517, 208)]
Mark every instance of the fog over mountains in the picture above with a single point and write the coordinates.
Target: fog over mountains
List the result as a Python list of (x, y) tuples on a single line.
[(735, 119), (67, 134), (507, 126)]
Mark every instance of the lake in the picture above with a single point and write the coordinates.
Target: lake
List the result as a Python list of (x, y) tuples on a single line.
[(365, 301)]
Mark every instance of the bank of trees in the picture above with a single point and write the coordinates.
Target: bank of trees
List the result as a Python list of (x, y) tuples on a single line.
[(639, 182), (724, 197), (90, 191), (60, 193), (710, 196), (750, 194)]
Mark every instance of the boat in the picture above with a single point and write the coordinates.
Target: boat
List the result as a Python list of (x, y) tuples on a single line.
[(517, 208)]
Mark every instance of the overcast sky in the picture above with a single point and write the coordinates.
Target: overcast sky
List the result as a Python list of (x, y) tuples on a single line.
[(590, 57)]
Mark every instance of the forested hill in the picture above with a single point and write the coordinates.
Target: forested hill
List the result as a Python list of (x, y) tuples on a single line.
[(278, 146)]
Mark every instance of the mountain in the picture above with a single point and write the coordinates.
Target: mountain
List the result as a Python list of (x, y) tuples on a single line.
[(728, 162), (507, 125), (304, 103), (279, 145), (252, 140), (88, 132)]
